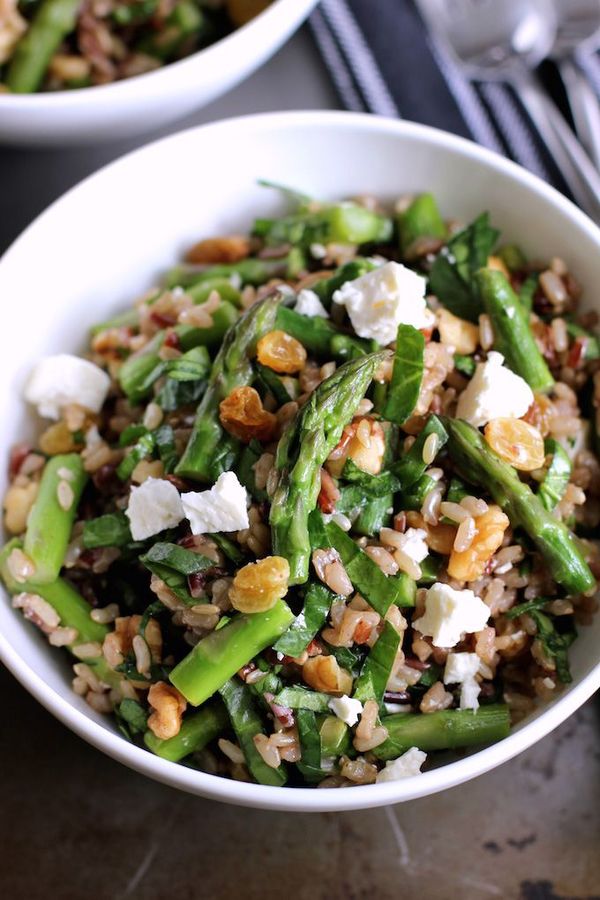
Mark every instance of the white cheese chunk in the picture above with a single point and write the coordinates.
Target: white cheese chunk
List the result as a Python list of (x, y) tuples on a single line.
[(404, 767), (493, 392), (461, 668), (449, 614), (412, 542), (308, 304), (380, 300), (346, 709), (153, 506), (222, 508), (58, 381)]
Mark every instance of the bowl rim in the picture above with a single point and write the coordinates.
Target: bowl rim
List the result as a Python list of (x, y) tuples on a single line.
[(308, 799), (100, 93)]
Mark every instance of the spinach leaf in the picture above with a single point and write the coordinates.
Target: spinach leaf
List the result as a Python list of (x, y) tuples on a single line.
[(466, 365), (140, 450), (174, 394), (376, 671), (172, 564), (555, 643), (191, 366), (111, 530), (165, 444), (451, 276), (134, 715), (529, 606), (557, 477), (317, 603), (272, 383), (407, 375)]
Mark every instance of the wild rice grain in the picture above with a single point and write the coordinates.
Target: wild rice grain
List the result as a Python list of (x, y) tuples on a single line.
[(231, 751), (559, 334), (62, 637), (464, 535), (269, 753), (454, 511), (474, 506), (486, 332), (105, 614), (20, 566), (89, 650)]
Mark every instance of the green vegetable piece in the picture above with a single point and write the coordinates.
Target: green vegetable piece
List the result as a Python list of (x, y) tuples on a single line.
[(554, 485), (477, 463), (512, 334), (302, 450), (591, 342), (422, 219), (272, 383), (229, 548), (444, 730), (410, 468), (164, 439), (513, 257), (528, 606), (555, 644), (184, 23), (128, 319), (247, 724), (310, 746), (350, 271), (378, 665), (210, 450), (321, 337), (430, 568), (379, 590), (375, 515), (134, 714), (245, 470), (249, 271), (143, 448), (110, 530), (335, 737), (49, 523), (217, 657), (527, 292), (466, 365), (301, 698), (197, 730), (317, 603), (224, 288), (53, 20), (407, 375), (172, 564), (457, 490), (451, 276)]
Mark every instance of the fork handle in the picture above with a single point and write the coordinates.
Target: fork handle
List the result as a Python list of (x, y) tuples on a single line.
[(584, 107), (574, 164)]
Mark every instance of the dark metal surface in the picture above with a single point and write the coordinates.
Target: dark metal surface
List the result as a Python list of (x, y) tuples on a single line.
[(74, 824)]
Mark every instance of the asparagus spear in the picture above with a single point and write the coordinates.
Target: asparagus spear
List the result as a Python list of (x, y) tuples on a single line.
[(197, 730), (139, 371), (52, 22), (250, 271), (321, 337), (341, 223), (512, 335), (184, 22), (210, 450), (302, 450), (247, 724), (52, 515), (477, 463), (421, 219), (443, 730), (223, 652)]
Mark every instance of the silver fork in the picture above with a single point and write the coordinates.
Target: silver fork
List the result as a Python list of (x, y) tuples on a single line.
[(579, 32), (506, 41)]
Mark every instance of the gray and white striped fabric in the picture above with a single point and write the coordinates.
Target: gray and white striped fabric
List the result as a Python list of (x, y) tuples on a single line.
[(382, 60)]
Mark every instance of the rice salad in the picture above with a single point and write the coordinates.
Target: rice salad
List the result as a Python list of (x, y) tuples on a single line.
[(321, 505)]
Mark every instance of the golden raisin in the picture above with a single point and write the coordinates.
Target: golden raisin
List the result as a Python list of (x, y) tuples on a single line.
[(243, 415), (219, 250), (323, 673), (258, 586), (57, 439), (440, 538), (516, 442), (281, 352), (457, 333), (469, 564)]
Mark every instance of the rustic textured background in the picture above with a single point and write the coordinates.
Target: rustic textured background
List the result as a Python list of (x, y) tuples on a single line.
[(74, 825)]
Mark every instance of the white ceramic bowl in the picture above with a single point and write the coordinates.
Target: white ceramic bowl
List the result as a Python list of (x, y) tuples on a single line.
[(79, 262), (137, 105)]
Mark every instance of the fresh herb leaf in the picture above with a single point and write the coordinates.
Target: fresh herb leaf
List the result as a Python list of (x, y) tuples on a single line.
[(153, 609), (172, 564), (272, 383), (310, 746), (377, 669), (451, 276), (229, 548), (134, 714), (466, 365), (140, 450), (317, 603), (191, 366), (554, 643), (111, 530), (407, 375), (165, 444), (175, 394), (131, 434), (529, 606)]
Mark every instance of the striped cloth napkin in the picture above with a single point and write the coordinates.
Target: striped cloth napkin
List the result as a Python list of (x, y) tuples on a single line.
[(382, 60)]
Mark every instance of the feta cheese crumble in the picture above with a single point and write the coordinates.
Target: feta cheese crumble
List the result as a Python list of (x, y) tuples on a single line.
[(222, 508), (404, 767), (153, 506), (58, 381), (346, 709), (461, 668), (380, 300), (308, 304), (493, 392), (449, 614), (412, 542)]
